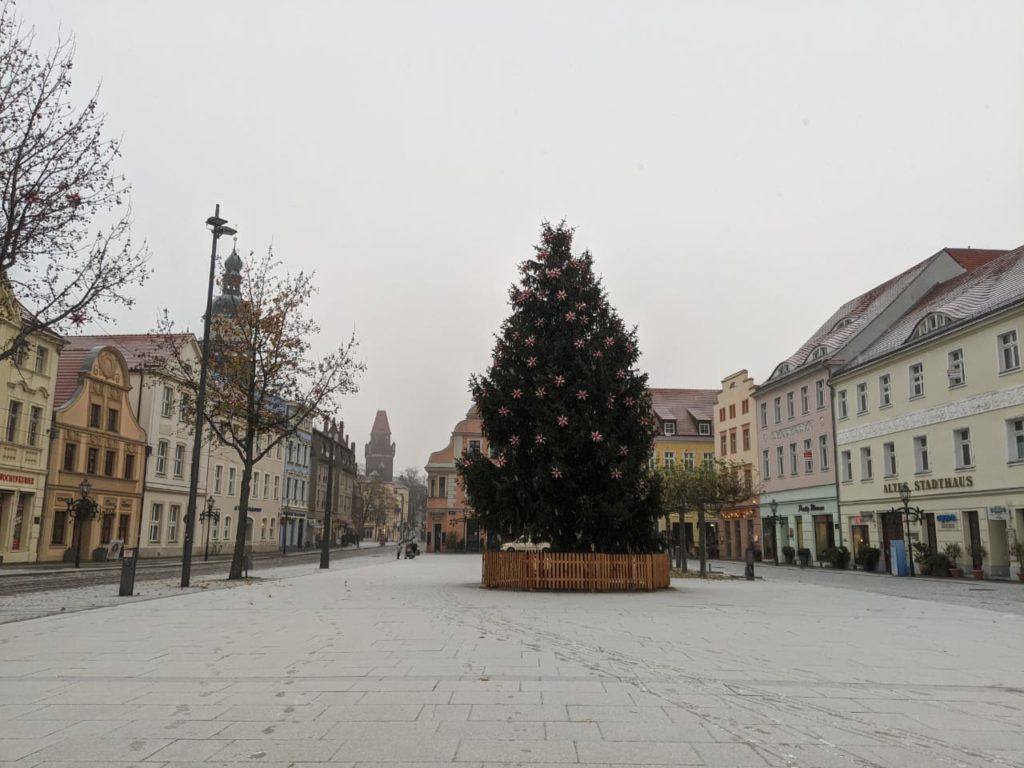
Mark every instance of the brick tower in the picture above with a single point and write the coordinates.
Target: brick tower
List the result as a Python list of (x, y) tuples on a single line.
[(380, 451)]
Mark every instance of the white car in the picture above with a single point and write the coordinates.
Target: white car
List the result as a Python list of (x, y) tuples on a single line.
[(526, 544)]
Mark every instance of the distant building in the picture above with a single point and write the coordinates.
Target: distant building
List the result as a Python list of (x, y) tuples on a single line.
[(449, 524), (380, 451), (684, 435), (295, 500), (739, 526), (329, 443)]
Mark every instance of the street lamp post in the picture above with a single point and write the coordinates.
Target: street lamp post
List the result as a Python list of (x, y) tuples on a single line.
[(909, 513), (79, 509), (776, 520), (218, 227), (325, 541), (210, 517)]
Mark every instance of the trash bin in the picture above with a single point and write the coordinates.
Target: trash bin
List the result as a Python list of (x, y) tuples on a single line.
[(128, 572)]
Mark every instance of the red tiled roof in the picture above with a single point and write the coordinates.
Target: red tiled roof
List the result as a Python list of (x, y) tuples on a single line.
[(139, 351), (686, 405), (972, 258), (380, 423)]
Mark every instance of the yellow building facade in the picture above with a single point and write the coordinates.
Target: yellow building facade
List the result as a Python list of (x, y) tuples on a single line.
[(738, 527), (27, 383)]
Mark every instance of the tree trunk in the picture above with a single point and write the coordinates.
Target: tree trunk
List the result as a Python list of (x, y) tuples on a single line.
[(703, 542), (682, 544), (238, 557)]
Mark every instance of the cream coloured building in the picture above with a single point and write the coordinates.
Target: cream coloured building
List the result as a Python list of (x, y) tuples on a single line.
[(27, 385), (937, 402), (739, 527)]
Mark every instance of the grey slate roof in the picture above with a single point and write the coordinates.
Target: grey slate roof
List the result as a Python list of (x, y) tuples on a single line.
[(996, 285)]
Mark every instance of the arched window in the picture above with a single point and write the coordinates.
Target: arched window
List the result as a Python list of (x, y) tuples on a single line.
[(818, 352), (931, 323), (842, 324), (249, 523), (263, 528)]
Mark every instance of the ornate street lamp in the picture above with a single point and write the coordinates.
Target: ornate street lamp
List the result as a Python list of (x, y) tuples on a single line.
[(909, 513), (776, 519), (79, 509), (210, 517)]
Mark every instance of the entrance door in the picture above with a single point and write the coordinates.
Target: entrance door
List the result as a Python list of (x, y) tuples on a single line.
[(860, 536), (437, 537), (973, 536), (472, 535), (999, 548), (929, 527), (798, 526), (824, 537), (892, 530)]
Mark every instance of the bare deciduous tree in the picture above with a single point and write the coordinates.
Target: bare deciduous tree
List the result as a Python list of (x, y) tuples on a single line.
[(65, 241), (265, 381)]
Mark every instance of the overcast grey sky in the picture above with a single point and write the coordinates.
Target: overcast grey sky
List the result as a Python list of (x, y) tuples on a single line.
[(739, 169)]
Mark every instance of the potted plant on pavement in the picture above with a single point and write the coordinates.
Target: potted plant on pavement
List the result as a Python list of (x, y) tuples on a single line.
[(805, 556), (789, 554), (839, 557), (1017, 550), (954, 552), (869, 556), (977, 553), (923, 558)]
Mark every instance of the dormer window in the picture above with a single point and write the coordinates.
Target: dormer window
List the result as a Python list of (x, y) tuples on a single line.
[(931, 323), (818, 352), (704, 427), (842, 324), (782, 370), (669, 427)]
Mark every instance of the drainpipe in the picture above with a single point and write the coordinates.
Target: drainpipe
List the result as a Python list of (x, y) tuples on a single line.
[(54, 434), (835, 456)]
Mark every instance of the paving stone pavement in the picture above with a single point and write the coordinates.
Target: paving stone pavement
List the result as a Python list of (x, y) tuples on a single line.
[(402, 664)]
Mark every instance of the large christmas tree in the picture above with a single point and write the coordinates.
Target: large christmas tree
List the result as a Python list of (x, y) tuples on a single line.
[(566, 414)]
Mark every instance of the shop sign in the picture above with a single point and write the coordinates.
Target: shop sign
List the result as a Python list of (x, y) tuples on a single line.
[(863, 518), (933, 484), (810, 508), (17, 479), (948, 521), (796, 429), (998, 513)]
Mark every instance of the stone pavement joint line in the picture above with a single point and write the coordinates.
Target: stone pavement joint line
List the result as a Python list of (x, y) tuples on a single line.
[(380, 662)]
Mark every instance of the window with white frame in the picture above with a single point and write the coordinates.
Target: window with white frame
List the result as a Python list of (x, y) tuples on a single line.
[(793, 463), (669, 458), (866, 471), (35, 421), (846, 462), (670, 427), (179, 460), (921, 462), (722, 443), (819, 393), (955, 368), (709, 460), (277, 486), (889, 458), (764, 414), (689, 459), (823, 451), (841, 404), (167, 403), (704, 428), (161, 457), (173, 513), (884, 390), (790, 405), (808, 457), (962, 445), (231, 481), (778, 410), (155, 514), (780, 461), (1009, 354), (746, 438), (266, 485), (917, 380), (255, 491), (766, 468), (227, 527), (1015, 439), (42, 355), (13, 414), (805, 401), (862, 397), (218, 479)]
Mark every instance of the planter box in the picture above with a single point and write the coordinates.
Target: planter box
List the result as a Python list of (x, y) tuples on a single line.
[(575, 572)]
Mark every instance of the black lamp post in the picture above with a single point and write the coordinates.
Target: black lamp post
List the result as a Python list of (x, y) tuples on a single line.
[(218, 227), (210, 517), (79, 509), (909, 513), (776, 520)]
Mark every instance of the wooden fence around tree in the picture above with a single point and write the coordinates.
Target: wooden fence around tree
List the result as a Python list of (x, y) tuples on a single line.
[(575, 572)]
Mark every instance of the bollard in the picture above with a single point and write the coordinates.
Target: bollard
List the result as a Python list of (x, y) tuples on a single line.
[(128, 561), (748, 571)]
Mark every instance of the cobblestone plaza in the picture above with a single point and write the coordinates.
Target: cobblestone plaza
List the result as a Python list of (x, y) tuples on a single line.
[(380, 662)]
